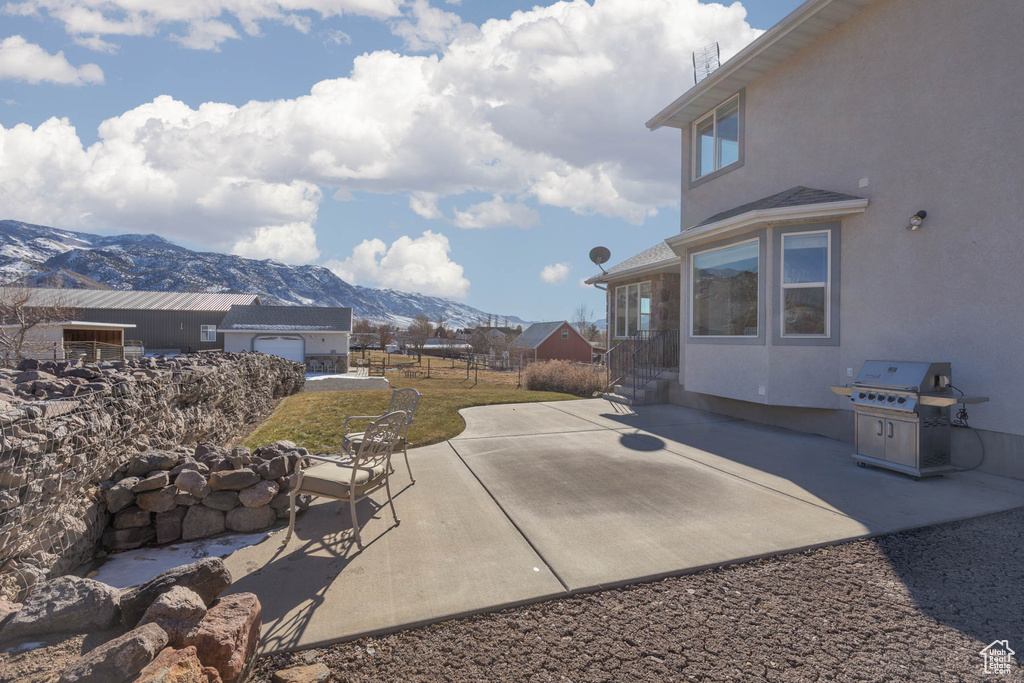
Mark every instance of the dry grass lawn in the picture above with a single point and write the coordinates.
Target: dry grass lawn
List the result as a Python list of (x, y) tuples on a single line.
[(314, 420)]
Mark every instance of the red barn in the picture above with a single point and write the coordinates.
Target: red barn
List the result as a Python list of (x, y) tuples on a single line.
[(553, 341)]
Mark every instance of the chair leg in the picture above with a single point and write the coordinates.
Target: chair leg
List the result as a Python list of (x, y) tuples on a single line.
[(291, 516), (355, 520), (405, 451), (387, 486)]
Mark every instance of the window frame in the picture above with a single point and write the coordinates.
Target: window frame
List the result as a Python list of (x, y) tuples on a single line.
[(759, 338), (565, 333), (204, 330), (694, 179), (832, 286), (639, 315)]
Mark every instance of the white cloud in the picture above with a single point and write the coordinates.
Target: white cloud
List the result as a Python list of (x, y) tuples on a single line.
[(88, 21), (21, 60), (424, 204), (546, 106), (292, 243), (426, 27), (496, 213), (420, 265), (556, 273)]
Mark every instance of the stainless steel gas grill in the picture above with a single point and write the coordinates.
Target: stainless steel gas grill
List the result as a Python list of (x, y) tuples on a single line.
[(902, 414)]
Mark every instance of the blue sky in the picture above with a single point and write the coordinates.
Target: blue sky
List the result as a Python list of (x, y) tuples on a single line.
[(475, 150)]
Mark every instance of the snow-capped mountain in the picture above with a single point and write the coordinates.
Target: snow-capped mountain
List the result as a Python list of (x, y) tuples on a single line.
[(48, 256)]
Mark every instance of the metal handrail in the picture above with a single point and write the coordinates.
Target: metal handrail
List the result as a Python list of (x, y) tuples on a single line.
[(652, 359), (619, 359)]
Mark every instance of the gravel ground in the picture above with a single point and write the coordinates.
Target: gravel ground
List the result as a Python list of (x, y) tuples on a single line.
[(913, 606)]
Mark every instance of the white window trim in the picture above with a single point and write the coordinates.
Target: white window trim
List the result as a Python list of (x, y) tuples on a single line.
[(631, 306), (805, 285), (693, 277), (204, 330), (714, 132), (565, 333)]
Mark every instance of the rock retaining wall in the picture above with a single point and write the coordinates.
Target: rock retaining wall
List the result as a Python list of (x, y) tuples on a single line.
[(67, 426), (163, 496)]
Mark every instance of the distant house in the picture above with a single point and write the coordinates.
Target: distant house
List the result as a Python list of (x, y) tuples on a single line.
[(438, 346), (552, 341), (165, 322), (315, 335)]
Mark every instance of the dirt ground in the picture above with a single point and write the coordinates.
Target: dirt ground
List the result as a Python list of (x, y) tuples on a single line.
[(913, 606)]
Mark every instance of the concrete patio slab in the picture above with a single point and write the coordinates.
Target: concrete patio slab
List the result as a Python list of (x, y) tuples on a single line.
[(521, 418), (611, 415), (821, 472), (607, 508), (454, 553)]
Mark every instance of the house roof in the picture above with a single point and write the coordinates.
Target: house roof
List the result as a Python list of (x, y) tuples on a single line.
[(658, 256), (794, 196), (797, 204), (139, 300), (534, 335), (280, 318), (800, 28)]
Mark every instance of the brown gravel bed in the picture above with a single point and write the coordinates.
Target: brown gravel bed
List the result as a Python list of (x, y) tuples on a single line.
[(912, 606)]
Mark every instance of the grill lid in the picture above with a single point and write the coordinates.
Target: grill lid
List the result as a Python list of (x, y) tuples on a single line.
[(910, 376)]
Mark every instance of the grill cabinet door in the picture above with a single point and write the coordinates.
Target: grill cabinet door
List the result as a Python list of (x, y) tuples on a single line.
[(901, 442), (871, 436)]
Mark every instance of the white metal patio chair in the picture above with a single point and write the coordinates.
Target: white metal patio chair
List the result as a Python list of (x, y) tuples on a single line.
[(405, 400), (352, 479)]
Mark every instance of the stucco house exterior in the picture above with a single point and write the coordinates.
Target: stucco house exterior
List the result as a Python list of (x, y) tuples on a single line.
[(315, 335), (805, 159), (556, 340)]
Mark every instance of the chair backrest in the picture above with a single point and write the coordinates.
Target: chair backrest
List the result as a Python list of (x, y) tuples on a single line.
[(379, 440), (405, 400)]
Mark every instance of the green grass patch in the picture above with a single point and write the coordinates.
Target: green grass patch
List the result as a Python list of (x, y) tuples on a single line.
[(314, 420)]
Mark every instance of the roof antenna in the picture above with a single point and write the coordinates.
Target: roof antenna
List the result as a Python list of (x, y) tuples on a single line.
[(600, 255), (705, 61)]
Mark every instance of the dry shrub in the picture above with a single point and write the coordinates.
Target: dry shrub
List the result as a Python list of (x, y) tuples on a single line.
[(563, 376)]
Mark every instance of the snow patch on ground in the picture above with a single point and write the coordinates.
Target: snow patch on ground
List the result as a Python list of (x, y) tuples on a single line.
[(124, 570), (25, 647)]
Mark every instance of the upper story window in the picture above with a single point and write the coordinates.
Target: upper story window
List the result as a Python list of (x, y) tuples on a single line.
[(565, 334), (724, 293), (718, 138), (208, 333), (805, 296), (632, 309)]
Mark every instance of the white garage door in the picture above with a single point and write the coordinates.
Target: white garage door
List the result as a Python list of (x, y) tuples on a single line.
[(286, 347)]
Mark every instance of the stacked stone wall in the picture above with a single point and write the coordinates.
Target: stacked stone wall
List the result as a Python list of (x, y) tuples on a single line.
[(66, 427)]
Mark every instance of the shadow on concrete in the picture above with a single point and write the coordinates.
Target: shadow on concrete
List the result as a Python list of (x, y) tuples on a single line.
[(641, 442), (322, 546)]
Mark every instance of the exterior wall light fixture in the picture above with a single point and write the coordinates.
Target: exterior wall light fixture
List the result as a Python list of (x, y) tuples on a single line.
[(916, 220)]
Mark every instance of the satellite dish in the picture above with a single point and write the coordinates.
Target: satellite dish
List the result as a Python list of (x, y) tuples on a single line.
[(600, 256)]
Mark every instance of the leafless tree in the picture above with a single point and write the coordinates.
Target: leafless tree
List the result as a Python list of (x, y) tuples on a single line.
[(385, 334), (440, 320), (582, 318), (363, 332), (419, 332), (23, 309)]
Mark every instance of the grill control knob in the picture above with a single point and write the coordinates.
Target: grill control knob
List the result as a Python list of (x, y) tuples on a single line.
[(901, 400), (890, 399), (871, 397), (862, 395)]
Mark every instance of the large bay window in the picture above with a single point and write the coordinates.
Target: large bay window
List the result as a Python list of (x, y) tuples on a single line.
[(632, 309), (725, 284)]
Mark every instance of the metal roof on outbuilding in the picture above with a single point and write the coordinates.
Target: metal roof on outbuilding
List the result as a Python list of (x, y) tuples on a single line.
[(139, 300), (284, 318)]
